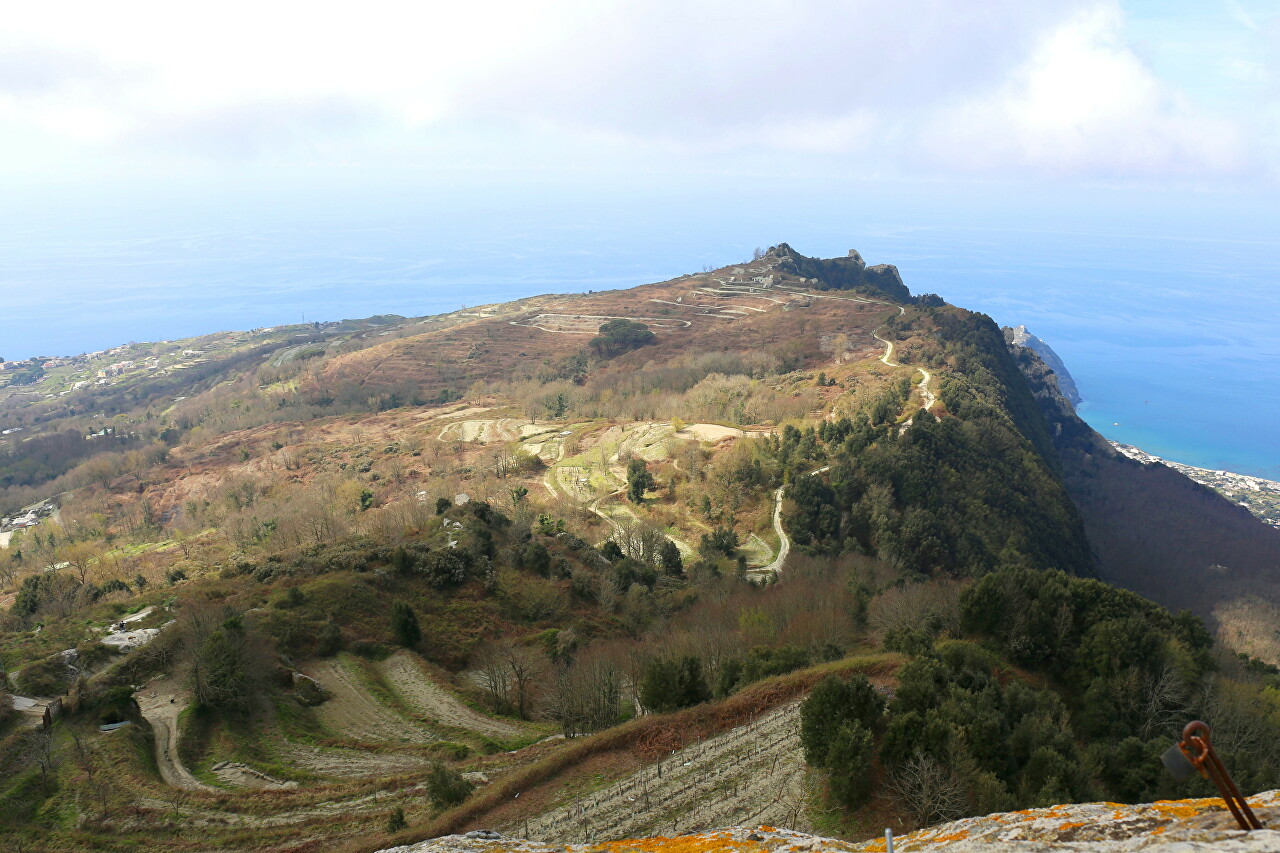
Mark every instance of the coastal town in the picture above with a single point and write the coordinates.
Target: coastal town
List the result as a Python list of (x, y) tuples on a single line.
[(59, 376), (1260, 496)]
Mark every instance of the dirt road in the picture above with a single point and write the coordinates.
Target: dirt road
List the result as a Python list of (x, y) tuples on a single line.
[(927, 396), (161, 702), (784, 543)]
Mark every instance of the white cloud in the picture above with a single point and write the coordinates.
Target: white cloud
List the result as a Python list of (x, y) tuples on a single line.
[(1084, 103), (701, 73), (910, 85)]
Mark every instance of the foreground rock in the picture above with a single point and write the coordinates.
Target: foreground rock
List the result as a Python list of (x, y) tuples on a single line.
[(1175, 826)]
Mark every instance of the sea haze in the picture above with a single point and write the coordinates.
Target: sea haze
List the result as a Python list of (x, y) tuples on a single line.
[(1170, 338)]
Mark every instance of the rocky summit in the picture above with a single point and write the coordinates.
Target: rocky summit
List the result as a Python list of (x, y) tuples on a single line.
[(1168, 826)]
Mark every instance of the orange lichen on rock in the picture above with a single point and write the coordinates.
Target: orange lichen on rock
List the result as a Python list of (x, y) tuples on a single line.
[(1180, 808), (1112, 827), (703, 843), (711, 842), (949, 837)]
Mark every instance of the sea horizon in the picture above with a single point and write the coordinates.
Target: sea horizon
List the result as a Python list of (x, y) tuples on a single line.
[(1169, 340)]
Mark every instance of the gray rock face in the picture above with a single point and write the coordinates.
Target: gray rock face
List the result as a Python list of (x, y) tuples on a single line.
[(1019, 336), (884, 274), (1182, 826), (308, 690)]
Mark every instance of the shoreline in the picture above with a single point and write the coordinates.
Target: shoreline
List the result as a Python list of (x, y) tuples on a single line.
[(1257, 494)]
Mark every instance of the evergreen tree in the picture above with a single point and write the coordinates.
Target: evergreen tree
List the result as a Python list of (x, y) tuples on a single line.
[(639, 480), (404, 625), (672, 562), (833, 704), (849, 757), (669, 684), (445, 786)]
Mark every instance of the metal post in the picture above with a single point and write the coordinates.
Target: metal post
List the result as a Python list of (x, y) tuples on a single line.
[(1195, 751), (888, 840)]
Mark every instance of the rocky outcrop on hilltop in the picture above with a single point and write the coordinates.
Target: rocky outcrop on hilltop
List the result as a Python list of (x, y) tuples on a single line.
[(848, 273), (1177, 826)]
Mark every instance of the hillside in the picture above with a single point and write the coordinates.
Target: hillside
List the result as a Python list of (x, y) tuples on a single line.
[(1156, 531), (572, 565)]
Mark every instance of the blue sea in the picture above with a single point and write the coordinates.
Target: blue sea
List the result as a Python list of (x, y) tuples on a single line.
[(1169, 328)]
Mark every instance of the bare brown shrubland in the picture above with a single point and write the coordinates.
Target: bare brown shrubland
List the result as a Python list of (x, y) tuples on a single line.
[(704, 386)]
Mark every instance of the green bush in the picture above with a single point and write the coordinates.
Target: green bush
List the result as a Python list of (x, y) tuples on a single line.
[(451, 751), (832, 706), (763, 662), (445, 786), (669, 684), (329, 641), (46, 677), (370, 650)]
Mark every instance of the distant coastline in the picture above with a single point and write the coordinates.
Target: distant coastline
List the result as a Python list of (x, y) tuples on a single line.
[(1256, 494)]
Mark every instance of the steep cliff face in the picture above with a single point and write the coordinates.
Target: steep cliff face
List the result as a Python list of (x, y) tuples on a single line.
[(1019, 336), (1176, 826)]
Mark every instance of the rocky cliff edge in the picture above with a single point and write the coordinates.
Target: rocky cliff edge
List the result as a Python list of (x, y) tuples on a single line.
[(1175, 826)]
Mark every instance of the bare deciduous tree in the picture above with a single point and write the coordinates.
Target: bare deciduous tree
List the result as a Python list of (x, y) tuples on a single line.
[(640, 541), (36, 747), (511, 674), (586, 695), (80, 557), (928, 792), (914, 604)]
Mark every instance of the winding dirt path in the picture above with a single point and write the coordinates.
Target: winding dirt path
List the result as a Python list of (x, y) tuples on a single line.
[(929, 398), (161, 702), (926, 395), (784, 542)]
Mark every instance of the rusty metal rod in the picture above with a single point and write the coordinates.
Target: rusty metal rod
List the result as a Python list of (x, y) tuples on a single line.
[(1196, 735)]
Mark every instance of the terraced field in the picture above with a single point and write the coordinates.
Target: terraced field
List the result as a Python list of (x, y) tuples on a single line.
[(352, 763), (589, 324), (404, 673), (352, 712), (751, 775)]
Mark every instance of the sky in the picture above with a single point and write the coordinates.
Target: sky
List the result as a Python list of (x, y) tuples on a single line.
[(1003, 92), (1108, 169)]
